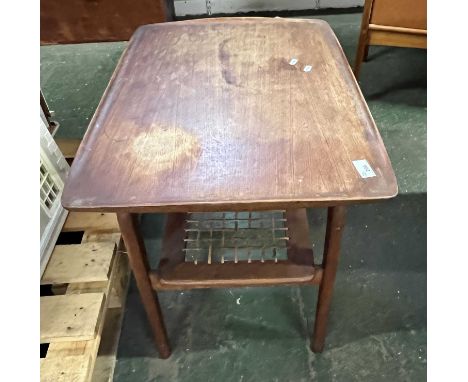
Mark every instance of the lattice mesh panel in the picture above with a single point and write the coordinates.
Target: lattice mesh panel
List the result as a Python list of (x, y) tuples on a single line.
[(49, 189), (236, 236)]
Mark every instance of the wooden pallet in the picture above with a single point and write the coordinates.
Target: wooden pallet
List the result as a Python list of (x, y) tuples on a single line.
[(82, 320), (68, 147)]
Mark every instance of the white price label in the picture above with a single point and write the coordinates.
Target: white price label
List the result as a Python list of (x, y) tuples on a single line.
[(364, 168)]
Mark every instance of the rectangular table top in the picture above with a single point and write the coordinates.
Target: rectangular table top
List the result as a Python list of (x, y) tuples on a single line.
[(213, 114)]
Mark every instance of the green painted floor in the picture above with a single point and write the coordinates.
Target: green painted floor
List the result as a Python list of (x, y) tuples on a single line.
[(377, 329)]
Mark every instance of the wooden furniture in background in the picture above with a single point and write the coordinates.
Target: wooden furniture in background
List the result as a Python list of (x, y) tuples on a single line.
[(77, 21), (400, 23), (207, 116)]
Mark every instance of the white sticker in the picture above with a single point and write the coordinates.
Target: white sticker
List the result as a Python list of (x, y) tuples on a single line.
[(293, 61), (307, 68), (364, 169)]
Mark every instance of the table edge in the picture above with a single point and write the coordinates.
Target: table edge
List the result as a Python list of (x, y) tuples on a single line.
[(258, 205)]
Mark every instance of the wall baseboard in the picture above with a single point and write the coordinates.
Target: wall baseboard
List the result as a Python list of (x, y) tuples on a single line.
[(199, 7)]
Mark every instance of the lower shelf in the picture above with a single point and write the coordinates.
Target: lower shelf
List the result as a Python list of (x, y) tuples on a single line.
[(228, 249), (190, 276)]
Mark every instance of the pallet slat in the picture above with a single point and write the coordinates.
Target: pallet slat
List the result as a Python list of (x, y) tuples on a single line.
[(72, 349), (65, 369), (105, 361), (70, 317), (68, 147), (120, 283), (99, 236), (107, 354), (76, 263), (83, 221)]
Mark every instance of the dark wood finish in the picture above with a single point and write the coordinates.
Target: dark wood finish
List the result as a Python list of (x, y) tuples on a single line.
[(256, 273), (300, 247), (173, 241), (366, 53), (335, 225), (399, 23), (209, 115), (363, 44), (77, 21), (139, 263)]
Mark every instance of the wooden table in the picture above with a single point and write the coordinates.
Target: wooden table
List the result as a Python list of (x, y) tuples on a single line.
[(215, 115)]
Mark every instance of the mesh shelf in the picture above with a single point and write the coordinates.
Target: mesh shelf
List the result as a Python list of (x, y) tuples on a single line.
[(235, 237), (230, 249)]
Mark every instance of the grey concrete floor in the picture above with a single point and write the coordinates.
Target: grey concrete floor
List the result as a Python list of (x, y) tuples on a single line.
[(377, 329)]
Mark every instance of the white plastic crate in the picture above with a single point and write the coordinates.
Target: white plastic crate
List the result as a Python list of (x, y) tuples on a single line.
[(53, 172)]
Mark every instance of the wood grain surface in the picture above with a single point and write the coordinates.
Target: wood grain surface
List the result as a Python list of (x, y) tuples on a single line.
[(79, 263), (91, 222), (65, 369), (205, 115), (70, 317)]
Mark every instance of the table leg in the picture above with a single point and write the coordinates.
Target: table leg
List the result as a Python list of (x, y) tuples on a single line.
[(139, 263), (361, 53), (366, 53), (335, 225)]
